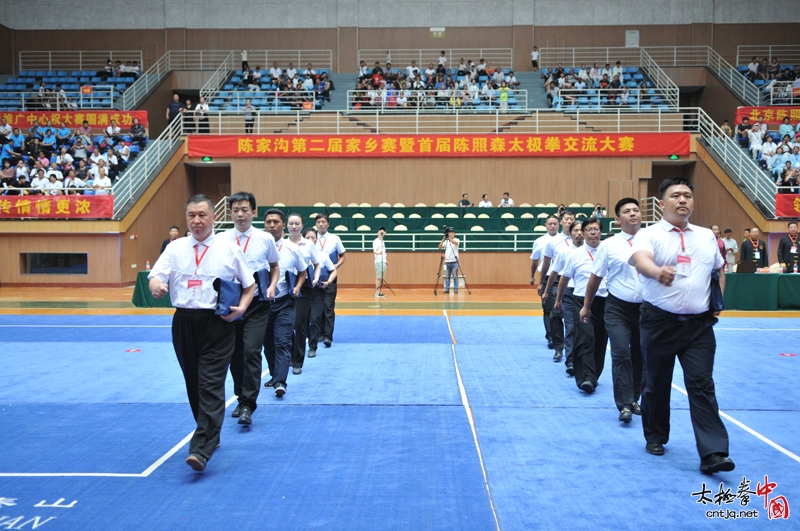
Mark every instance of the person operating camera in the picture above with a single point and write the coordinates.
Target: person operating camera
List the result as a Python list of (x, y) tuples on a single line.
[(449, 244)]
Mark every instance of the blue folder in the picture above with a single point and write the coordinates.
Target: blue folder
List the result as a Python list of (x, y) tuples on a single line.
[(229, 294), (262, 279)]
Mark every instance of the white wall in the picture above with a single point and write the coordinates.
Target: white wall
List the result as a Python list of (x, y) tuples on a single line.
[(232, 14)]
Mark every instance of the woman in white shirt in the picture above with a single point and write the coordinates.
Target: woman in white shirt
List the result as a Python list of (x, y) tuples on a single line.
[(55, 187), (71, 183), (114, 131), (201, 116)]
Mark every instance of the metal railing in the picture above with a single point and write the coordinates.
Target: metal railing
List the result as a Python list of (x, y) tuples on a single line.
[(784, 93), (611, 99), (320, 59), (266, 100), (75, 60), (666, 87), (144, 167), (172, 60), (662, 57), (401, 58), (786, 53), (219, 76), (222, 220), (651, 210), (438, 101), (102, 97)]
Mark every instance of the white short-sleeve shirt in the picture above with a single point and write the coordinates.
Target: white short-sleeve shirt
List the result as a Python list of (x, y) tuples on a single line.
[(379, 251), (554, 243), (258, 247), (538, 248), (579, 268), (330, 242), (687, 294), (611, 263), (291, 261), (191, 271)]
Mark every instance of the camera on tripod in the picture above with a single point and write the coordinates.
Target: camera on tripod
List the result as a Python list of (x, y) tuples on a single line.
[(447, 230)]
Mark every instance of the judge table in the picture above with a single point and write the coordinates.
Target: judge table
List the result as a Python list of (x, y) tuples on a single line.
[(762, 291), (142, 298)]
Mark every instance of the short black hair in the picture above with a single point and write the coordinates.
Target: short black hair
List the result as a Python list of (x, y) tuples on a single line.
[(566, 212), (575, 224), (624, 201), (243, 196), (175, 227), (309, 229), (551, 216), (322, 216), (200, 198), (789, 225), (674, 181), (591, 220), (277, 211), (295, 214), (728, 231)]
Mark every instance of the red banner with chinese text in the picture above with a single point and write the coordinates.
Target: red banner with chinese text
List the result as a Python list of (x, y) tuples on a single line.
[(331, 146), (56, 206), (772, 115), (74, 119), (787, 206)]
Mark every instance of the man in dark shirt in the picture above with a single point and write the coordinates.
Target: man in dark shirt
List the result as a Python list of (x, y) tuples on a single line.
[(755, 250), (174, 108), (464, 201), (174, 234), (741, 131), (788, 256)]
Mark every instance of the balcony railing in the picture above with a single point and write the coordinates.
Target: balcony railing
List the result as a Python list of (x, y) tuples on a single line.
[(787, 54), (144, 168), (75, 60), (102, 97), (401, 58), (784, 93), (449, 100)]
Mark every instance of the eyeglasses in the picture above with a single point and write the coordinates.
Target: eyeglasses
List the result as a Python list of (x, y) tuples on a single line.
[(592, 230)]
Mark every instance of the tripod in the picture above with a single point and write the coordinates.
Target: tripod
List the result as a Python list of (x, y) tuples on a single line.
[(383, 283), (459, 272)]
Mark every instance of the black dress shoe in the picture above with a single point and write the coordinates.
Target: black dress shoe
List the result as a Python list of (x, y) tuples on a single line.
[(570, 370), (327, 342), (654, 448), (550, 345), (270, 383), (716, 463), (636, 408), (626, 414), (587, 387), (197, 462), (235, 413), (280, 389), (245, 416), (559, 354)]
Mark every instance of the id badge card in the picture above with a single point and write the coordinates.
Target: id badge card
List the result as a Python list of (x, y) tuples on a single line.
[(194, 288), (757, 255), (793, 249), (684, 265)]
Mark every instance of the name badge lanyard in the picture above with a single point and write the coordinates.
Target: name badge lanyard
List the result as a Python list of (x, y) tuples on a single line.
[(246, 243), (198, 258), (793, 249), (684, 261)]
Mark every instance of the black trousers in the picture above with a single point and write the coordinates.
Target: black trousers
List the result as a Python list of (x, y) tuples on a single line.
[(329, 313), (303, 322), (278, 337), (589, 345), (556, 319), (569, 324), (622, 325), (547, 307), (246, 360), (203, 126), (317, 309), (665, 336), (203, 343)]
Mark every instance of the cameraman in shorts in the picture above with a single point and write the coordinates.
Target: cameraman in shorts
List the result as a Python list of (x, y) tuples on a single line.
[(449, 244)]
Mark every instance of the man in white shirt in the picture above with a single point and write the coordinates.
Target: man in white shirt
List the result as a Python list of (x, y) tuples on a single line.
[(567, 299), (54, 186), (39, 181), (275, 72), (379, 252), (677, 260), (485, 203), (589, 346), (260, 252), (617, 71), (731, 248), (449, 245), (561, 242), (278, 336), (622, 307), (203, 340), (5, 129), (330, 244), (507, 202), (412, 70), (102, 184), (498, 76), (53, 170), (537, 261), (535, 59), (291, 71)]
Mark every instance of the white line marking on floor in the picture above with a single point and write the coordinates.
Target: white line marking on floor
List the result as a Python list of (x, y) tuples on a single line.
[(750, 430), (149, 470), (471, 419)]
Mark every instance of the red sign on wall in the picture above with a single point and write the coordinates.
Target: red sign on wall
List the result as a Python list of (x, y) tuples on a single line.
[(787, 205), (772, 115), (57, 206), (364, 146)]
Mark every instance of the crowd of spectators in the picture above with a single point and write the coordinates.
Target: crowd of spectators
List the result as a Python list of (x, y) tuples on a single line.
[(768, 70), (612, 85), (54, 160), (292, 85), (776, 151), (467, 85)]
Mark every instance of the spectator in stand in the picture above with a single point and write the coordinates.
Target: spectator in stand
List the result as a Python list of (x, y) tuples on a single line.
[(8, 154), (535, 59), (73, 185), (8, 175), (5, 129), (102, 184), (552, 94), (138, 133), (599, 211), (48, 142), (53, 171), (786, 128), (777, 162), (135, 69), (114, 131), (595, 73), (788, 180), (363, 71), (768, 149), (498, 77), (96, 157), (79, 150), (763, 70), (275, 72), (726, 129), (113, 163), (63, 135), (742, 132), (39, 182), (249, 117), (482, 67), (506, 202), (755, 137), (189, 125), (82, 171), (174, 109), (201, 116), (752, 69), (774, 69), (464, 203), (243, 55), (291, 71), (124, 153), (485, 203), (309, 71), (511, 80), (17, 139), (412, 72), (54, 186)]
